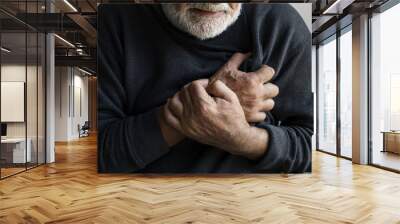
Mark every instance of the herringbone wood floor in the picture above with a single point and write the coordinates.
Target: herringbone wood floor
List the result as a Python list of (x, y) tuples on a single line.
[(70, 191)]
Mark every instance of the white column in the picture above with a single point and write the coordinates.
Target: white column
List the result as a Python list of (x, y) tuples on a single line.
[(50, 99), (63, 100), (360, 90), (50, 92)]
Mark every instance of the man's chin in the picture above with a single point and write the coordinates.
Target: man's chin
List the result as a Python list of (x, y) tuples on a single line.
[(204, 32), (207, 27)]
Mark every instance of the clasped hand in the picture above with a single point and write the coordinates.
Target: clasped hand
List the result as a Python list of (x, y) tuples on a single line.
[(218, 111)]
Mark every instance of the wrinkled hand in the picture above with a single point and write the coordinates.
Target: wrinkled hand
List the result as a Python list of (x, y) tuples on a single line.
[(253, 89), (218, 121)]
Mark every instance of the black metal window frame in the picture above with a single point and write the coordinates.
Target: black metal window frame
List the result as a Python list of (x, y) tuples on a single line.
[(382, 8), (334, 37)]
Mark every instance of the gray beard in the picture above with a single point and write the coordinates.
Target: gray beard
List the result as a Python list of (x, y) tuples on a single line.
[(200, 27)]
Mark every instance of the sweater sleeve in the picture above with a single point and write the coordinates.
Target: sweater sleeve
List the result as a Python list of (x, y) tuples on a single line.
[(291, 129), (126, 142)]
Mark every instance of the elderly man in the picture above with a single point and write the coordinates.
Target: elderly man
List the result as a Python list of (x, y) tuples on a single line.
[(193, 87)]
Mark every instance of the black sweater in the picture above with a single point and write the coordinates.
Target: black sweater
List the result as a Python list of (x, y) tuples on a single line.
[(143, 60)]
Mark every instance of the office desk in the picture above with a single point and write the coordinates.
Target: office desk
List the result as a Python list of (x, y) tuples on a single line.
[(391, 141), (13, 150)]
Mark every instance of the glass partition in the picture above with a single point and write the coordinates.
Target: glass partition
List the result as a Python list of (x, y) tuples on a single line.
[(346, 93), (31, 99), (22, 88), (385, 89), (327, 96), (14, 145), (41, 96)]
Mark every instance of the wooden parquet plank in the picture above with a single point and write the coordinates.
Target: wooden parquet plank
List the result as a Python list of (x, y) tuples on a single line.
[(71, 191)]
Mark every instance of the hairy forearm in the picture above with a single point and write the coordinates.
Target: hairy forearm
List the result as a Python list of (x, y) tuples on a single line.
[(253, 143)]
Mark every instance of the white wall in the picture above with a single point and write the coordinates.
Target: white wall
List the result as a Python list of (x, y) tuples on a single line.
[(304, 9), (17, 72), (71, 94), (33, 126), (62, 82), (80, 109)]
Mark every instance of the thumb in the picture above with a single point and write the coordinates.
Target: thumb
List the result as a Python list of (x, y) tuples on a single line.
[(232, 64), (220, 90), (237, 59)]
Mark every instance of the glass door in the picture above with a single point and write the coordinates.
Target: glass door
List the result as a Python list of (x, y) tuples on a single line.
[(22, 77), (346, 93), (327, 96), (14, 153), (385, 89)]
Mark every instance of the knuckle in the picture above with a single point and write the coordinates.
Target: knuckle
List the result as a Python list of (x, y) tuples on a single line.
[(175, 108), (203, 109), (216, 83), (211, 85), (195, 83), (193, 86), (235, 98), (171, 105), (252, 104), (251, 81), (227, 68), (168, 116), (270, 104), (176, 97), (257, 94), (272, 90), (247, 111), (276, 90), (185, 89), (262, 116), (270, 70), (254, 95)]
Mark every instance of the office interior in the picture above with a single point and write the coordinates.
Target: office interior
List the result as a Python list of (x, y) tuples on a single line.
[(48, 82)]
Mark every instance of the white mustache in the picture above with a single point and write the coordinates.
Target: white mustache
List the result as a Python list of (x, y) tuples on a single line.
[(212, 7)]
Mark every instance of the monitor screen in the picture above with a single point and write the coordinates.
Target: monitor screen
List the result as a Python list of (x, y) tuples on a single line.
[(3, 129)]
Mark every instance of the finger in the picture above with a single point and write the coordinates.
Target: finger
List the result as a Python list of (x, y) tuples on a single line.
[(257, 117), (175, 105), (270, 90), (220, 90), (267, 105), (170, 119), (263, 74), (199, 94), (202, 82), (184, 96), (237, 59)]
